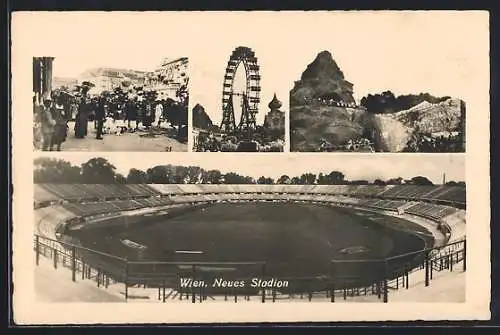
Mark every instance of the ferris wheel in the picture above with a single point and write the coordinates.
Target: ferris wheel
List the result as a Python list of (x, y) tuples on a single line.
[(250, 96)]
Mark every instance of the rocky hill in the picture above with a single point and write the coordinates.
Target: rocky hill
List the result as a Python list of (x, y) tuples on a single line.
[(319, 107), (201, 119), (322, 77), (397, 131), (322, 109)]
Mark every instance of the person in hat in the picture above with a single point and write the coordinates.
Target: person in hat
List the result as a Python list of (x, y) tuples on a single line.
[(58, 112), (131, 114), (158, 112), (47, 123), (82, 118), (100, 116)]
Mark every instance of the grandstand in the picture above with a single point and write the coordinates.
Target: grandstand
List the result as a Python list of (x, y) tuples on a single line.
[(59, 206), (85, 200)]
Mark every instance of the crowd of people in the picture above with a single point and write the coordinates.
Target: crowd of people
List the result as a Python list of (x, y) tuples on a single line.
[(360, 144), (111, 112), (327, 101), (210, 143)]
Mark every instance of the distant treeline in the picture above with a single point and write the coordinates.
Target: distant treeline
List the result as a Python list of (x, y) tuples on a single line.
[(100, 171), (386, 102)]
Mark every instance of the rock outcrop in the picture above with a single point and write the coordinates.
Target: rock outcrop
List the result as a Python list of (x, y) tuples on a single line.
[(397, 132), (322, 79), (201, 120), (322, 107)]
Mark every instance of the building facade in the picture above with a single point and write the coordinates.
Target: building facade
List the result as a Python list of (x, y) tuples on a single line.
[(107, 79), (42, 78), (59, 82), (168, 78)]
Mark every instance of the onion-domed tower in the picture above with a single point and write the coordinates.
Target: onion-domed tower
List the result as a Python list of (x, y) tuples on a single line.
[(274, 121)]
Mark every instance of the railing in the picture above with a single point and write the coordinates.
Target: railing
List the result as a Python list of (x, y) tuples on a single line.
[(377, 278)]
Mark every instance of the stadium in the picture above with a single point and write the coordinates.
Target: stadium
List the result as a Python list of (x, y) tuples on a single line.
[(252, 242)]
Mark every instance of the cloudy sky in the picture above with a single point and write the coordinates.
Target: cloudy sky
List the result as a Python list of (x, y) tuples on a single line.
[(406, 52), (354, 166)]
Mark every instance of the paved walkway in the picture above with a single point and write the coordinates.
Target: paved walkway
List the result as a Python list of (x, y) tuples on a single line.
[(156, 140), (55, 285)]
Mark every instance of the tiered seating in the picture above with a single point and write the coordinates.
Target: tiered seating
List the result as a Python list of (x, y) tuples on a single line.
[(406, 191), (48, 218), (43, 195), (167, 188), (88, 209), (45, 192), (392, 205), (88, 199), (366, 190), (435, 212), (453, 194)]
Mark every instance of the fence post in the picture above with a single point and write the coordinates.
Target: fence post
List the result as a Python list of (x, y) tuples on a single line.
[(126, 280), (37, 249), (407, 275), (263, 290), (73, 263), (465, 255), (385, 282), (426, 270), (332, 293), (193, 296), (163, 287), (55, 258)]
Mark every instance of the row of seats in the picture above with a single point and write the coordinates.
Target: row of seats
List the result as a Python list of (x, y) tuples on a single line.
[(55, 192), (47, 218), (97, 208), (455, 194), (383, 204), (432, 211)]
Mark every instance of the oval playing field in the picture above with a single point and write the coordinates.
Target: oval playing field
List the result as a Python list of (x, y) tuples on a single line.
[(295, 240)]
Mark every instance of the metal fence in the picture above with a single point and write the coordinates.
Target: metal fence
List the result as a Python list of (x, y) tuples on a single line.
[(376, 277)]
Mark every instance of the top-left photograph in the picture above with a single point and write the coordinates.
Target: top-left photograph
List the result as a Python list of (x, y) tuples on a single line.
[(90, 106)]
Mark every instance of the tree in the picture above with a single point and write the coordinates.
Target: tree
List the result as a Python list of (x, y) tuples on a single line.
[(160, 174), (234, 178), (194, 174), (395, 181), (296, 181), (51, 170), (136, 176), (420, 180), (284, 179), (211, 177), (180, 174), (334, 178), (359, 182), (98, 171), (265, 180), (120, 179), (307, 179), (379, 182)]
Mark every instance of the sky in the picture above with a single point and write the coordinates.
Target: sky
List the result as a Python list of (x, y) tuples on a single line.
[(354, 166), (405, 52)]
